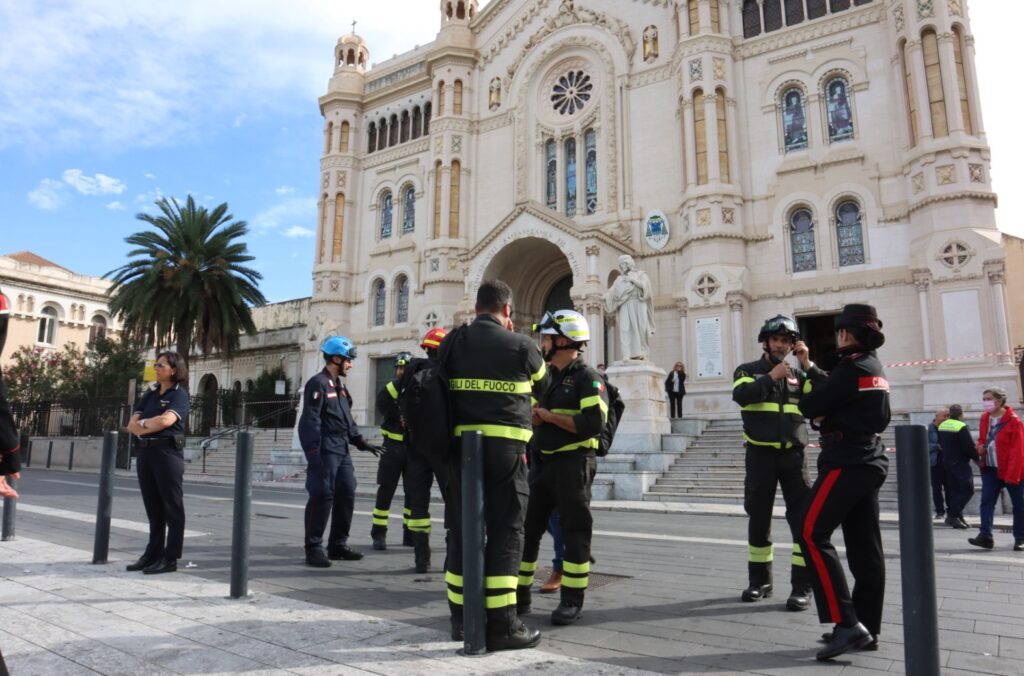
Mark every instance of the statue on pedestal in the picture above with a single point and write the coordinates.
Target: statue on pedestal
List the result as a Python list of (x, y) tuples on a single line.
[(631, 300)]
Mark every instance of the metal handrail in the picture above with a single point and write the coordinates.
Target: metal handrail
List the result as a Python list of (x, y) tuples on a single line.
[(205, 443)]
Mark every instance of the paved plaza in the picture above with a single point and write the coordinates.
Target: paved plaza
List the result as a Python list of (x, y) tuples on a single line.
[(665, 598)]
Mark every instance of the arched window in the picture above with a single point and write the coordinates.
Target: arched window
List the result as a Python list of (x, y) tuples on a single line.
[(382, 134), (328, 137), (393, 131), (723, 136), (454, 198), (840, 114), (323, 228), (438, 178), (961, 78), (694, 14), (406, 126), (426, 118), (794, 12), (772, 15), (402, 300), (47, 333), (751, 19), (551, 173), (909, 93), (386, 213), (339, 226), (380, 301), (839, 5), (98, 329), (250, 385), (440, 98), (716, 19), (590, 143), (570, 177), (801, 240), (408, 210), (460, 12), (345, 128), (849, 234), (417, 122), (371, 140), (457, 101), (816, 9), (794, 119), (933, 78), (700, 137)]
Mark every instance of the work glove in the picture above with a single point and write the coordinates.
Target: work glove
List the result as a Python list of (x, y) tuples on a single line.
[(362, 445)]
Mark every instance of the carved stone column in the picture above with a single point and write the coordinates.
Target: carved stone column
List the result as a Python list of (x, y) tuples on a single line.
[(592, 253), (915, 59), (689, 137), (683, 306), (950, 83), (735, 301), (594, 310), (711, 132), (923, 281), (997, 280)]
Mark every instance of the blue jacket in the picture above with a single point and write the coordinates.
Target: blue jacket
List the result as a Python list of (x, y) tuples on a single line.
[(326, 422)]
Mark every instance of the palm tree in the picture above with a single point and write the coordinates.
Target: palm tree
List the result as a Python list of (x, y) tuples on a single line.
[(186, 282)]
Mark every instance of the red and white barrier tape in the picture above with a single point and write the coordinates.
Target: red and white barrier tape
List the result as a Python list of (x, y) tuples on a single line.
[(890, 449), (923, 362)]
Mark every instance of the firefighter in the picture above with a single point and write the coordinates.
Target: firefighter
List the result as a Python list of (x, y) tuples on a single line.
[(326, 428), (851, 408), (420, 471), (568, 419), (958, 450), (393, 463), (769, 392), (492, 374)]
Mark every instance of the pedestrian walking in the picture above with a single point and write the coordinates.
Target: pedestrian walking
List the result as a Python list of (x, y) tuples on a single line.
[(675, 388), (493, 372), (938, 464), (568, 419), (958, 450), (851, 408), (1001, 458), (770, 393), (393, 462), (326, 428), (158, 422)]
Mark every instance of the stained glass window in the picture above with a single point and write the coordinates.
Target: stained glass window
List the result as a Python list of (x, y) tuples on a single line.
[(386, 213), (590, 139), (772, 15), (794, 119), (850, 234), (840, 115), (839, 5), (379, 303), (402, 301), (571, 92), (551, 169), (801, 241), (794, 12), (816, 8), (570, 177), (409, 210), (751, 19)]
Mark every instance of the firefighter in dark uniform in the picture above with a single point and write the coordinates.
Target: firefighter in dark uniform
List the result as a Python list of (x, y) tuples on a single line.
[(851, 408), (419, 471), (769, 393), (492, 374), (326, 428), (568, 419), (958, 450), (394, 462)]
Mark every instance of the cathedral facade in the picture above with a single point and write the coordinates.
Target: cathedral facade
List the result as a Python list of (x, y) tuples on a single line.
[(754, 157)]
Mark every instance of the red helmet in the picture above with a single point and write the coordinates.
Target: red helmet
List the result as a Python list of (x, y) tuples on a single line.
[(433, 339)]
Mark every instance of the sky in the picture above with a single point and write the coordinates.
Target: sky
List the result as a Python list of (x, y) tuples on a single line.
[(108, 105)]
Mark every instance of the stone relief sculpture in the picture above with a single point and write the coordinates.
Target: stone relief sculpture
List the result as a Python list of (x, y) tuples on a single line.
[(630, 298), (650, 43), (494, 94), (316, 331)]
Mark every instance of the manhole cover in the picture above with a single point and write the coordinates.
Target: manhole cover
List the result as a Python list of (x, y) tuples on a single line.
[(596, 579)]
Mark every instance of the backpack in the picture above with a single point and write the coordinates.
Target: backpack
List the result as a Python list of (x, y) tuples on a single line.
[(616, 407), (427, 411)]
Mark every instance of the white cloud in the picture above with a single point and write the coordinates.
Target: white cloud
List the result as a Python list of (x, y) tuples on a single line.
[(287, 214), (116, 206), (284, 190), (48, 195), (298, 231), (239, 119), (100, 184), (150, 176)]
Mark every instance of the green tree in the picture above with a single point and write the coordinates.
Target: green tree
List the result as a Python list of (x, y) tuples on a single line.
[(266, 382), (187, 283), (110, 364)]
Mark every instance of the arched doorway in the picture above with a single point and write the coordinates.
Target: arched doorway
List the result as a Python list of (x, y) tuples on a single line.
[(539, 274), (207, 405)]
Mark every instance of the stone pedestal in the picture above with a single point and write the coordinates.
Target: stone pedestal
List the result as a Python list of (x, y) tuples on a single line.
[(642, 387)]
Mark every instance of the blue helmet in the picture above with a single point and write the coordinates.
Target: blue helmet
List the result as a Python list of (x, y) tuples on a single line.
[(339, 346)]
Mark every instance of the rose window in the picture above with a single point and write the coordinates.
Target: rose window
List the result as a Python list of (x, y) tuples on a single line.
[(955, 254), (571, 92)]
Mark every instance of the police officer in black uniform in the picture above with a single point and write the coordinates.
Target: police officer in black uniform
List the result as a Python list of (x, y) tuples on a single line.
[(851, 408), (394, 461), (493, 373), (769, 392), (158, 422), (568, 419), (326, 428)]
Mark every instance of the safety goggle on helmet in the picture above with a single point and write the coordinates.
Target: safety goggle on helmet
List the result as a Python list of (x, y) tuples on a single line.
[(402, 359), (567, 323), (779, 325)]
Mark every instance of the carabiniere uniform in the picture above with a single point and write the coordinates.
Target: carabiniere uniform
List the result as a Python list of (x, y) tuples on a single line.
[(567, 469), (775, 434), (392, 464)]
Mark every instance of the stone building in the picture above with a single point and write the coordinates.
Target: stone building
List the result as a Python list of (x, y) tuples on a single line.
[(755, 157)]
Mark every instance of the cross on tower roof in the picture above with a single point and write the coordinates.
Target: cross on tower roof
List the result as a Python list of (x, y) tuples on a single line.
[(353, 27)]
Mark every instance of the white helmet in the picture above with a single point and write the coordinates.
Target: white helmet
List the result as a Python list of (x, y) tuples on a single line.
[(567, 323)]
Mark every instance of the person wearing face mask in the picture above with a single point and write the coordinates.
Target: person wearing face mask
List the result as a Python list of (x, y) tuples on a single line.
[(769, 392), (958, 450), (1001, 458), (10, 441)]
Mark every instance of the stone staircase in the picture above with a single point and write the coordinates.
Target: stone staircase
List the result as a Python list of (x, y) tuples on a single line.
[(629, 472)]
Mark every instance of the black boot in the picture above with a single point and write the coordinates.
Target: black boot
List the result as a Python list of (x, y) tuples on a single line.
[(343, 553), (799, 599), (505, 631), (407, 539), (983, 541), (379, 535), (458, 634), (421, 552), (844, 639), (567, 612), (316, 558), (757, 592), (524, 600)]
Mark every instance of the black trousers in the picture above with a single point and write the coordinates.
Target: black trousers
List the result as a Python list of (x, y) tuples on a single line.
[(675, 401), (419, 478), (392, 467), (564, 484), (846, 497), (959, 487), (160, 471), (938, 475), (331, 484), (768, 468), (505, 499)]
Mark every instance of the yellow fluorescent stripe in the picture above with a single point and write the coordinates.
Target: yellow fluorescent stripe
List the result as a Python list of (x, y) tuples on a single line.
[(772, 444), (452, 578), (575, 582), (744, 379), (418, 523), (760, 554), (503, 431), (566, 411), (595, 400), (493, 386), (791, 408), (761, 550), (406, 510), (526, 580), (764, 406), (392, 435), (419, 529), (589, 443), (575, 568), (541, 372), (392, 390), (500, 581), (796, 548), (455, 598), (501, 601), (798, 561), (807, 386), (527, 567), (380, 522), (380, 512)]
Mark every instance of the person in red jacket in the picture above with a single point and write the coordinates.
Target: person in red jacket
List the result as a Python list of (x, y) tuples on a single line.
[(1001, 458)]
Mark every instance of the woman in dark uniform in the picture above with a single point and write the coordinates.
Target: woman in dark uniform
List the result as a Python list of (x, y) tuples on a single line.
[(158, 422)]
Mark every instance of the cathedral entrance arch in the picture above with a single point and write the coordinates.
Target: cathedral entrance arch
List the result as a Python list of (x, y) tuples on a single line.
[(538, 272)]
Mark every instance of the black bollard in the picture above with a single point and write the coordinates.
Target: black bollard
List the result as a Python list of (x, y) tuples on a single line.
[(101, 541), (917, 552), (240, 528), (10, 511), (49, 454), (474, 613), (71, 457)]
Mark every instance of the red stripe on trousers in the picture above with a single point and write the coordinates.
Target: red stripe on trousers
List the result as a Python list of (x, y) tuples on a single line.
[(819, 563)]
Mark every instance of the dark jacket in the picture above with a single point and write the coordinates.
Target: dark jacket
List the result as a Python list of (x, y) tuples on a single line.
[(956, 441), (934, 447), (854, 404), (771, 410), (494, 376), (326, 422), (682, 383), (387, 405), (578, 391)]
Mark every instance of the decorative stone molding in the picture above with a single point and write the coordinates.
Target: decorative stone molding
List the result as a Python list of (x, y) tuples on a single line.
[(922, 282), (517, 26), (435, 264), (397, 153), (997, 276), (706, 286), (844, 22), (925, 9), (456, 144), (955, 254), (898, 18), (335, 284), (593, 250), (945, 175), (956, 8), (977, 172), (696, 70), (718, 68), (326, 180), (703, 216), (735, 300), (342, 178), (728, 216), (917, 181)]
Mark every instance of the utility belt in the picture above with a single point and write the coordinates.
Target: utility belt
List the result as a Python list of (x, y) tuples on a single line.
[(839, 437), (176, 442)]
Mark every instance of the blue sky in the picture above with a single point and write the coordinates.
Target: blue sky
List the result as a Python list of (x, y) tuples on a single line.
[(106, 105)]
